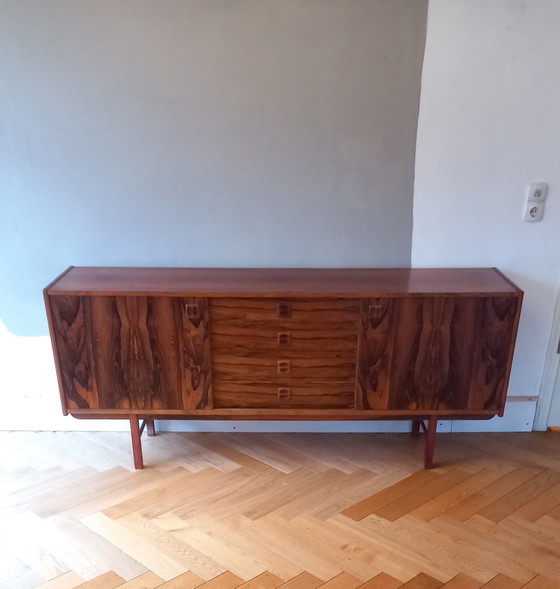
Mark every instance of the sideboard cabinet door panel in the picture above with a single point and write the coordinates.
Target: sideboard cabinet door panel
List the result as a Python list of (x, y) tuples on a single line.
[(136, 353), (435, 353), (71, 332)]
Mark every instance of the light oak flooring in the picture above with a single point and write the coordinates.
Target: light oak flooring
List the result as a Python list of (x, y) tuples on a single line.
[(297, 511)]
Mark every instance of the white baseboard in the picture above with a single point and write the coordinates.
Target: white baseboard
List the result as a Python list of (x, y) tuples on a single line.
[(518, 417), (286, 426)]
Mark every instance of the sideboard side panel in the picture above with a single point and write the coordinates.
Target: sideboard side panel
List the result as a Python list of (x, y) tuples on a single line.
[(70, 330), (496, 332)]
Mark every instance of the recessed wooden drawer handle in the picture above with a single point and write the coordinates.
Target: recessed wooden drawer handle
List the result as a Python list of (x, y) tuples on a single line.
[(375, 314), (284, 393), (192, 311), (284, 310), (284, 338), (284, 366)]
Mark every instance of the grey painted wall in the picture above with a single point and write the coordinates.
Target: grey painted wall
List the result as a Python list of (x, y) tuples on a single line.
[(203, 133)]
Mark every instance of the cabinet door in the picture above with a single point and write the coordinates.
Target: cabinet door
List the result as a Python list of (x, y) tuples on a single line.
[(436, 353), (133, 352)]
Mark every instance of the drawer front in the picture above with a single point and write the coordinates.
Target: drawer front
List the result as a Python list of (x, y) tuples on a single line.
[(285, 343), (240, 312), (270, 369), (252, 395), (283, 329), (308, 346)]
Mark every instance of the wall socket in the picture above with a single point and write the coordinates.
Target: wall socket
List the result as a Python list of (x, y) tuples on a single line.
[(534, 204), (534, 211)]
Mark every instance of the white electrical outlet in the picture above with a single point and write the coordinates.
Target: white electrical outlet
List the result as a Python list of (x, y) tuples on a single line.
[(537, 192), (534, 211)]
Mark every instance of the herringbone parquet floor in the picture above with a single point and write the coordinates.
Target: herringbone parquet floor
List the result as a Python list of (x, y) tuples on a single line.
[(297, 511)]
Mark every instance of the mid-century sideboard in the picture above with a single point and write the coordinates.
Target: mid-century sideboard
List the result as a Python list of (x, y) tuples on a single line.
[(284, 344)]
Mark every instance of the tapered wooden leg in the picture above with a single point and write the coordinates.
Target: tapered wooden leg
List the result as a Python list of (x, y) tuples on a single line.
[(135, 434), (430, 442), (151, 427)]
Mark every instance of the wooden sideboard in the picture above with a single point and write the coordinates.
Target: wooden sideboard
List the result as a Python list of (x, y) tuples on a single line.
[(284, 344)]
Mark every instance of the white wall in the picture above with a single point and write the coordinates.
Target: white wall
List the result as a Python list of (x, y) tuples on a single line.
[(489, 124)]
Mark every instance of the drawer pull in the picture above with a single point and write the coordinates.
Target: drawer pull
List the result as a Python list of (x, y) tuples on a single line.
[(284, 393), (284, 366), (284, 338), (192, 311), (375, 314), (284, 310)]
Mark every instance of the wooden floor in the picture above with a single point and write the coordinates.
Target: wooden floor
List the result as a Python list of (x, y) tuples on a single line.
[(296, 511)]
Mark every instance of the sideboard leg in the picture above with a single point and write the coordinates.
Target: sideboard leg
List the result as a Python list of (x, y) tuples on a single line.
[(151, 427), (430, 442), (136, 442)]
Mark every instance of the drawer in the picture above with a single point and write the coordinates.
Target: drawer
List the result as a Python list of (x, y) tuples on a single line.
[(251, 395), (284, 352), (286, 343), (266, 313), (270, 369)]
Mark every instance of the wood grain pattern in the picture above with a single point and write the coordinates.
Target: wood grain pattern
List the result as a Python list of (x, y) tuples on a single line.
[(240, 312), (303, 395), (264, 369), (255, 365), (140, 352), (375, 352), (195, 354), (135, 352), (311, 343), (407, 349), (435, 353), (421, 366), (498, 322), (283, 282), (71, 334)]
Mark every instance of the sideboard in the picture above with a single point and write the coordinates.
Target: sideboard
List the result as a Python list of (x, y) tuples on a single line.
[(283, 344)]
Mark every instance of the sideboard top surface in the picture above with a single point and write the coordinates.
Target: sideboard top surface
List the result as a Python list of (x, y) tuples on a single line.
[(282, 282)]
